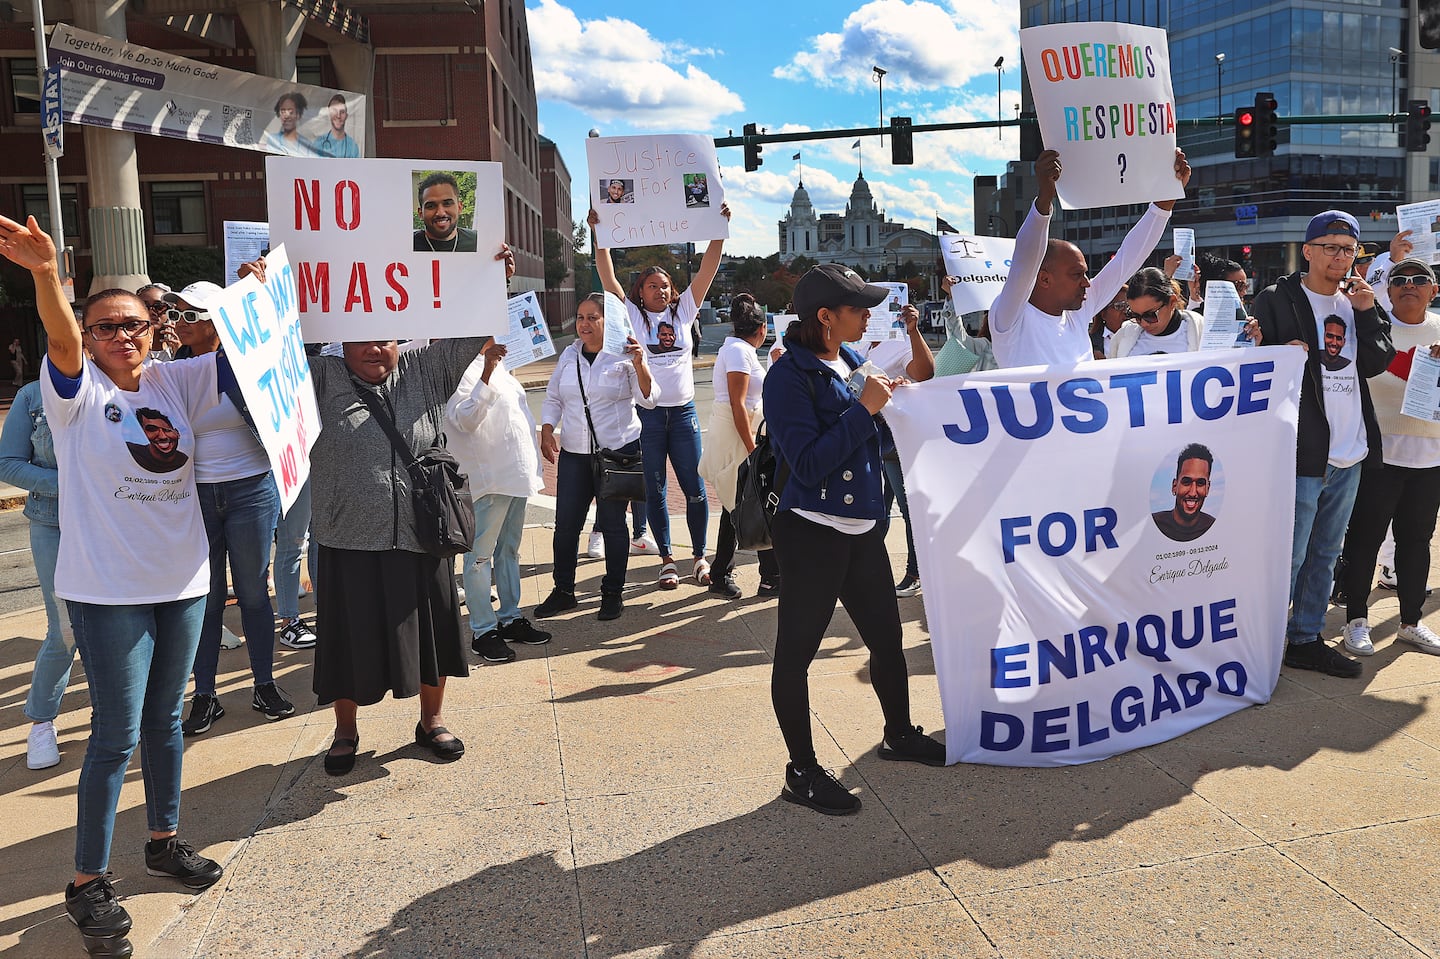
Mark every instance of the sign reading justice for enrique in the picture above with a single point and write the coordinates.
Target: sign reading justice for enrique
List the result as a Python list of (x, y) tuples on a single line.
[(391, 249), (656, 190), (1103, 99)]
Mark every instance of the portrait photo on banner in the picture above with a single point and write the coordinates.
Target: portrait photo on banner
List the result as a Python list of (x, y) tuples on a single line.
[(444, 211)]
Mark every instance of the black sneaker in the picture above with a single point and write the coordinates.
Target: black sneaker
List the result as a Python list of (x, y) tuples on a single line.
[(204, 710), (725, 586), (96, 911), (491, 648), (769, 587), (913, 746), (556, 603), (1321, 657), (909, 586), (176, 858), (611, 606), (270, 700), (817, 788), (520, 631)]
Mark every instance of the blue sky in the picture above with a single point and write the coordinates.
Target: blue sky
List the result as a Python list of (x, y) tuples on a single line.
[(630, 67)]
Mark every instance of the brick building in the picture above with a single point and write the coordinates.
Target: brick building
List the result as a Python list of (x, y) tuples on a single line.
[(558, 302)]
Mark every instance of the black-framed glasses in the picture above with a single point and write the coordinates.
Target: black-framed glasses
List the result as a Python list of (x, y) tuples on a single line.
[(1120, 305), (1337, 249), (1149, 316), (104, 332), (189, 316), (158, 306), (1410, 279)]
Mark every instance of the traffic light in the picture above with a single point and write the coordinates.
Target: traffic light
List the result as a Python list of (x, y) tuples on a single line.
[(1244, 132), (1417, 126), (752, 149), (1266, 129), (1031, 145), (902, 145)]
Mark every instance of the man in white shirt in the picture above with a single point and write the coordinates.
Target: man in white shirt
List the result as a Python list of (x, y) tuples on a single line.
[(1042, 315)]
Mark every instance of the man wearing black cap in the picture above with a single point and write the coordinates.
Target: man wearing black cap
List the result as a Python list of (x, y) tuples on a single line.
[(1337, 427)]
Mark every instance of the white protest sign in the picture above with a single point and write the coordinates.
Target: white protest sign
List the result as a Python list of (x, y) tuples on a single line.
[(885, 321), (259, 325), (1185, 249), (779, 323), (617, 326), (1122, 583), (528, 339), (1224, 317), (1103, 99), (651, 190), (245, 241), (979, 265), (1422, 388), (1420, 218), (370, 265)]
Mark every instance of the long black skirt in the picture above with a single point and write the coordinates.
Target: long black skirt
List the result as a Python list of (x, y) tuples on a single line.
[(388, 621)]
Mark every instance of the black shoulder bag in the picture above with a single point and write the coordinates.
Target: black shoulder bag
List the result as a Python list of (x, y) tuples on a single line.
[(618, 476), (439, 492)]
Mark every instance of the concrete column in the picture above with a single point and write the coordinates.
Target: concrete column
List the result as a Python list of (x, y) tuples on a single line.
[(275, 30), (117, 222), (355, 67)]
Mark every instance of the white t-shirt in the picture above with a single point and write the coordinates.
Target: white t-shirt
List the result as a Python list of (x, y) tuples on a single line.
[(1148, 344), (128, 495), (892, 356), (672, 367), (849, 525), (1348, 443), (737, 356), (225, 449)]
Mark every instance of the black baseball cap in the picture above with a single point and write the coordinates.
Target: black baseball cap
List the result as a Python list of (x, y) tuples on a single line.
[(831, 285)]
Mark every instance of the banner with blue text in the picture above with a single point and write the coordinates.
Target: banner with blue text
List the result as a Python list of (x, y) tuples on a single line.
[(1115, 543)]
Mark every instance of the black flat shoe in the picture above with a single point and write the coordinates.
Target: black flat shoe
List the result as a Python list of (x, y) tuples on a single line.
[(338, 764), (447, 749)]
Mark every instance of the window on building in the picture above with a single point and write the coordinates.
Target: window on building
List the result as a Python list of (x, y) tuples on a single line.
[(26, 83), (307, 70), (35, 201), (177, 208), (419, 87)]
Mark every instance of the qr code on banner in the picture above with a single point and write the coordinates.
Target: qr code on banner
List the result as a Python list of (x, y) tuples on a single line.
[(238, 124)]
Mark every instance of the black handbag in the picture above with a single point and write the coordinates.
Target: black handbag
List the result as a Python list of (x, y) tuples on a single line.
[(617, 475), (759, 481), (439, 492)]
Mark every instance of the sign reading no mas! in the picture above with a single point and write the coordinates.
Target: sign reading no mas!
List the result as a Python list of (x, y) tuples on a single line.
[(656, 190), (1103, 100), (392, 249), (1117, 541)]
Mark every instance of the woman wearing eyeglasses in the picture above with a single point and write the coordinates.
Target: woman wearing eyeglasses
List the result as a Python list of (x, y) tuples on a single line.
[(164, 341), (240, 506), (135, 581), (1156, 322)]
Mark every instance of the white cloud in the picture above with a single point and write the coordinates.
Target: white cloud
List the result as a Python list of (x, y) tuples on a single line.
[(922, 45), (614, 69)]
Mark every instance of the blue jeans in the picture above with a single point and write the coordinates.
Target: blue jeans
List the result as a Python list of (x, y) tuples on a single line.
[(290, 535), (673, 431), (896, 480), (137, 659), (574, 489), (1322, 512), (57, 652), (239, 522), (499, 524)]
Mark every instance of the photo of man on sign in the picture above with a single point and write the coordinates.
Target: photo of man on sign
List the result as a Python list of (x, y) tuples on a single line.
[(441, 199)]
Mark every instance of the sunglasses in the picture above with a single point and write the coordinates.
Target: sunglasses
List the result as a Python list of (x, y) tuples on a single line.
[(1119, 305), (1410, 279), (189, 316), (157, 307), (1149, 316)]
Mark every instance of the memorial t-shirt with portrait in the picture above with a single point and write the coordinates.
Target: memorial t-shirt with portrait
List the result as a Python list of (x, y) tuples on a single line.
[(671, 364), (1348, 442)]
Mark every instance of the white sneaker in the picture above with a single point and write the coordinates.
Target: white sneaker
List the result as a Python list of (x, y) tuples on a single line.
[(460, 594), (43, 749), (1420, 636), (1357, 637), (1387, 578), (644, 545), (229, 640), (596, 549)]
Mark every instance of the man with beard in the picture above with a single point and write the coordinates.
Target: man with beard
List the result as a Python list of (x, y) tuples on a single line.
[(1187, 520), (162, 453), (1332, 359), (440, 210)]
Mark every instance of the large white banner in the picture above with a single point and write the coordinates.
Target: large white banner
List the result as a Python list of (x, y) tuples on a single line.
[(653, 190), (259, 325), (1114, 544), (980, 265), (112, 83), (1103, 100), (392, 249)]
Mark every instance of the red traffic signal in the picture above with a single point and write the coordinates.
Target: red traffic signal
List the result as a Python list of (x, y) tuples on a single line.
[(1244, 132), (1245, 118)]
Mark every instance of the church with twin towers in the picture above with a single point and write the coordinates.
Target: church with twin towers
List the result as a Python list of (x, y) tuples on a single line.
[(861, 237)]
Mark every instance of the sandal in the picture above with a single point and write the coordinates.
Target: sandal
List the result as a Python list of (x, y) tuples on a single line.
[(669, 576), (338, 764), (702, 571)]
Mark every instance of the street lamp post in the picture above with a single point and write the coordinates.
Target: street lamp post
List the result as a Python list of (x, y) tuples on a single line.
[(1219, 86), (999, 98), (1395, 55), (878, 74)]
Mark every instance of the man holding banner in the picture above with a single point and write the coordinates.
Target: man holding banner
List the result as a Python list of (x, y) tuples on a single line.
[(1042, 316)]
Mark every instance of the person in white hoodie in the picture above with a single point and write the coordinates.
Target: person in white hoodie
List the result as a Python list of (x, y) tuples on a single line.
[(492, 435)]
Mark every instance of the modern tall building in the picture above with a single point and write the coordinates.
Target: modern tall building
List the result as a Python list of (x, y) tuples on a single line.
[(1317, 57)]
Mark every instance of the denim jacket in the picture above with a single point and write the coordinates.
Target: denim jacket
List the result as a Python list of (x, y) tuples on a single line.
[(27, 456), (830, 441)]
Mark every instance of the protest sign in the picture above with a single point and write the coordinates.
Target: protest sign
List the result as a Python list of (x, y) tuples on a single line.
[(259, 326), (1420, 219), (124, 86), (654, 190), (885, 321), (779, 323), (245, 240), (1103, 100), (528, 339), (1185, 249), (373, 262), (617, 326), (979, 265), (1116, 580), (1422, 387), (1225, 317)]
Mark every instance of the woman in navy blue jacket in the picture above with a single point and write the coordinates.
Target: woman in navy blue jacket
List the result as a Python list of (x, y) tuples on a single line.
[(829, 518)]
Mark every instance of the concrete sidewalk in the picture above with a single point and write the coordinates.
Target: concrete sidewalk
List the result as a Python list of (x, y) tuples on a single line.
[(620, 798)]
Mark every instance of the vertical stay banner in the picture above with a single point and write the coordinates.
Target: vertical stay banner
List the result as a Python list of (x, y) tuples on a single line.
[(378, 258), (259, 325), (980, 265), (1117, 539), (1103, 99), (655, 190)]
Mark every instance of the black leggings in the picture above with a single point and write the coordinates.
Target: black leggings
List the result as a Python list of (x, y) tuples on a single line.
[(818, 565), (1406, 500), (725, 553)]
